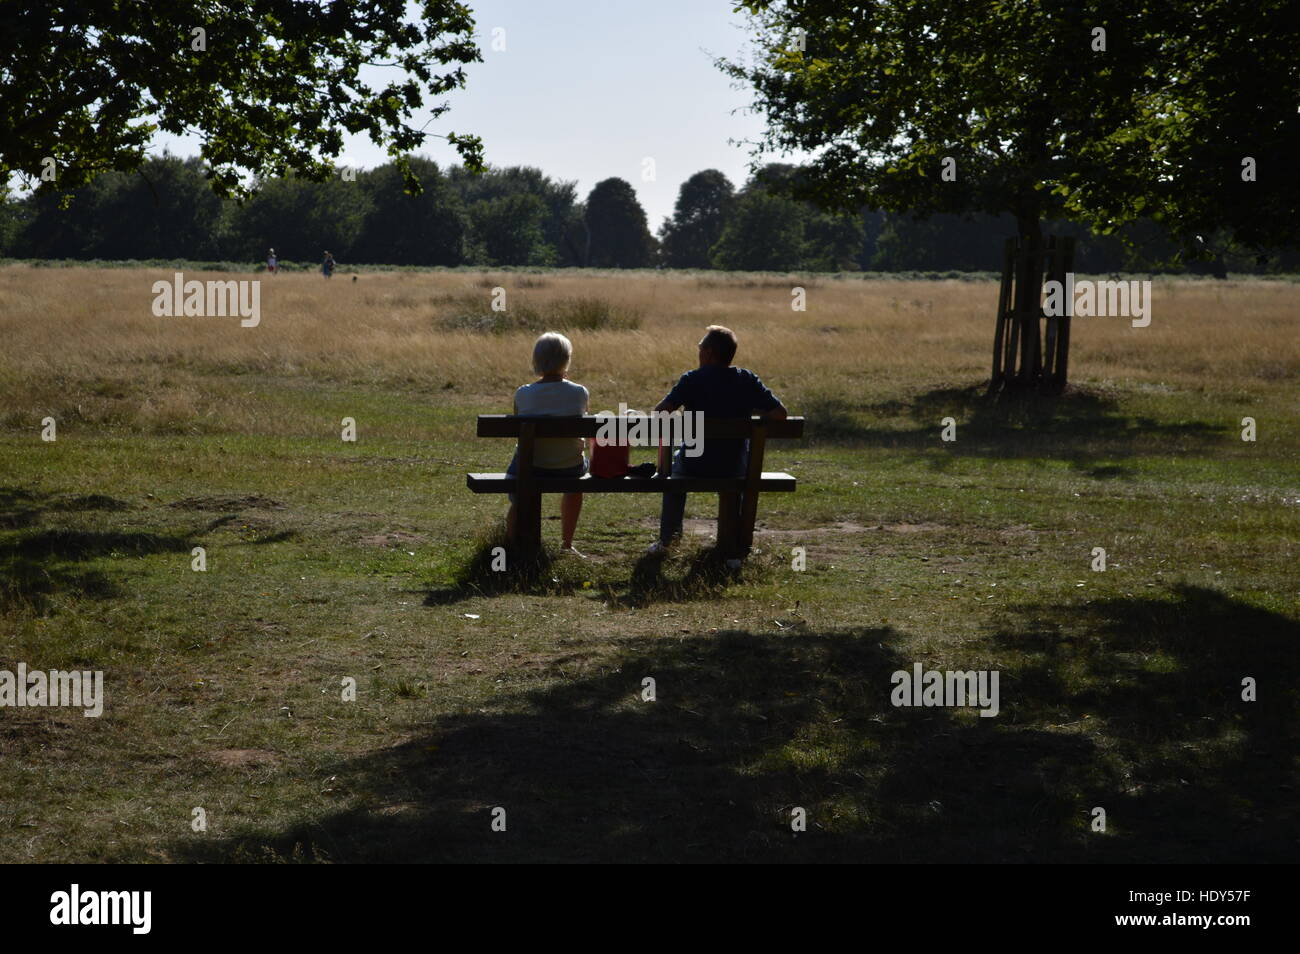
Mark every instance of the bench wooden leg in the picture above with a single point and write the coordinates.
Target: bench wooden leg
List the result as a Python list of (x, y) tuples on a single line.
[(753, 477), (528, 516), (528, 522), (748, 513), (728, 523)]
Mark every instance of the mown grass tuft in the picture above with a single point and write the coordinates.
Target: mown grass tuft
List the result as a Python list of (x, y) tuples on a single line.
[(471, 313)]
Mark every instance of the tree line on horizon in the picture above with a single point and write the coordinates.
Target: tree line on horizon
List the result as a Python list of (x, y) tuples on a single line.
[(519, 216)]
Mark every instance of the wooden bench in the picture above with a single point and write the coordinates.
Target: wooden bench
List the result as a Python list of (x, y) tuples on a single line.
[(735, 523)]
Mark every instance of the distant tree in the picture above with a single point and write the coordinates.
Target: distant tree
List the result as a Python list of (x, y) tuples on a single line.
[(164, 210), (764, 233), (767, 230), (703, 204), (941, 242), (398, 228), (509, 231), (558, 201), (873, 221), (832, 243), (616, 227), (270, 85), (299, 218), (13, 219), (573, 237), (52, 231)]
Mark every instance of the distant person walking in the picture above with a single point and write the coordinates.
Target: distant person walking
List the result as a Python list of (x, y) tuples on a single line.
[(327, 267), (272, 263)]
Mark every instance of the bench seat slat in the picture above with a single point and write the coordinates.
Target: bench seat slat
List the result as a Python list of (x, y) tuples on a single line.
[(772, 482)]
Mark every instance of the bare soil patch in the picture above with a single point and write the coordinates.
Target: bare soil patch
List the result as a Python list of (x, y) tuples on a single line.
[(391, 538), (228, 502), (242, 758)]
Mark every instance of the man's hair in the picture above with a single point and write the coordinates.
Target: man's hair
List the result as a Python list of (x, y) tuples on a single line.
[(721, 341), (552, 353)]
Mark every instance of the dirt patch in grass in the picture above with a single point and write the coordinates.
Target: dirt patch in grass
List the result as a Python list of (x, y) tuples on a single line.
[(1021, 529), (910, 527), (228, 502), (841, 527), (76, 502), (708, 527), (391, 538), (379, 461), (242, 758)]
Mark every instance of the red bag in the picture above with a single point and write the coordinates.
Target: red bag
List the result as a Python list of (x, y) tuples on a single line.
[(609, 460)]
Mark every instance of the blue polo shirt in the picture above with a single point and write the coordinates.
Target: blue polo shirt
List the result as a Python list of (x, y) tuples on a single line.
[(721, 392)]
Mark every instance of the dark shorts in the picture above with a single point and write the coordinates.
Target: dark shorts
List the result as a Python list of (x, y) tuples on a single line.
[(580, 470)]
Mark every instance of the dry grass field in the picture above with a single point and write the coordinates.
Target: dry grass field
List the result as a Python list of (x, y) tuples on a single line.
[(84, 346), (330, 560)]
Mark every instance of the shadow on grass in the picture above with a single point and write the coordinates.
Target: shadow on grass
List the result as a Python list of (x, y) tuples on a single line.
[(1082, 427), (64, 544), (29, 585), (1202, 769), (494, 568), (34, 567), (280, 536), (21, 508), (78, 502), (38, 564), (18, 508), (706, 577), (748, 726)]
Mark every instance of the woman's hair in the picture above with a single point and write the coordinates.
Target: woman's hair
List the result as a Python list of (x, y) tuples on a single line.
[(552, 353)]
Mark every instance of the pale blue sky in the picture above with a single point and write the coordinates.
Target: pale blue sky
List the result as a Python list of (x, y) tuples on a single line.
[(587, 89)]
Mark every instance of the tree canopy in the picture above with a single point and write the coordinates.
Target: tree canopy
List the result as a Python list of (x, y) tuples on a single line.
[(703, 206), (616, 227), (518, 216), (1107, 111), (270, 86)]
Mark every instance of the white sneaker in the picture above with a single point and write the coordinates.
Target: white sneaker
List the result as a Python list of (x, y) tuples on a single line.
[(570, 551), (657, 548)]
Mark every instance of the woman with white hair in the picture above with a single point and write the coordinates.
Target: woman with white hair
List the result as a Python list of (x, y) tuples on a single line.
[(553, 395)]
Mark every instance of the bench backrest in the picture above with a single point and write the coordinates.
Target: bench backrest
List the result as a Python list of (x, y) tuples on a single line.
[(513, 425)]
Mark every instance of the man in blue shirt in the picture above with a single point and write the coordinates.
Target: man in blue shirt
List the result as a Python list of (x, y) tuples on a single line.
[(721, 391)]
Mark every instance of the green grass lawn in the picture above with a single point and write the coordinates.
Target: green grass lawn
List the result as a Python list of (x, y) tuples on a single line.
[(328, 560)]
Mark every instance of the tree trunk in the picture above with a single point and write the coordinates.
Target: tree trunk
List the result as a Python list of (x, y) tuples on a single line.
[(1029, 289), (1029, 354)]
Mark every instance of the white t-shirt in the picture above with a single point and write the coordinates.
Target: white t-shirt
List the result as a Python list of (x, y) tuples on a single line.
[(554, 399)]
